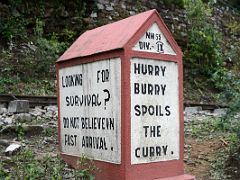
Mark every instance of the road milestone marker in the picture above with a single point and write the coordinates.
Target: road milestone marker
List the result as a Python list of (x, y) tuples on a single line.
[(120, 98)]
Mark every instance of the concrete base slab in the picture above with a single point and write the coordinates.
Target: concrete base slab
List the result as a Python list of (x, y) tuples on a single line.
[(181, 177), (18, 106)]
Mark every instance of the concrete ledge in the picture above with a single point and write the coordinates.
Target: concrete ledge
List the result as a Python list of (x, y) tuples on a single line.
[(18, 106), (181, 177)]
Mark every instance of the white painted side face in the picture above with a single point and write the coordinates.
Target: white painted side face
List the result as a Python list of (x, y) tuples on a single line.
[(90, 109), (154, 41), (154, 111)]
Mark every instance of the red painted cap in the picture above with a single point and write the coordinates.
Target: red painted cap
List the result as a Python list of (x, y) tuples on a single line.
[(108, 37)]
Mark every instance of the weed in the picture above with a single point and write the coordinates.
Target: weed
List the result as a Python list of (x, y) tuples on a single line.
[(179, 3), (234, 27), (49, 131), (13, 28), (38, 30), (229, 166), (203, 53), (217, 170), (205, 128), (3, 173), (27, 166), (86, 169), (20, 131), (53, 168)]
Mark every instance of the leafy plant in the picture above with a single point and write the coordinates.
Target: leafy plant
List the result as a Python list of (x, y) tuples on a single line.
[(33, 63), (180, 3), (203, 128), (218, 171), (49, 131), (229, 83), (13, 29), (26, 165), (203, 53), (3, 173), (20, 130), (86, 169), (53, 168), (234, 27)]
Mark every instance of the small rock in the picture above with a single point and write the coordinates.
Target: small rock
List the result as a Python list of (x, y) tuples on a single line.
[(220, 111), (192, 110), (68, 174), (205, 113), (3, 110), (135, 9), (64, 13), (172, 28), (48, 140), (32, 46), (183, 25), (188, 161), (112, 4), (12, 148), (94, 15), (36, 113), (23, 117), (123, 6), (39, 118), (8, 121), (15, 12), (48, 12), (132, 13), (109, 8), (4, 142), (103, 1), (167, 17), (52, 123), (100, 6), (116, 14), (183, 34), (49, 114), (153, 4), (3, 105), (52, 108)]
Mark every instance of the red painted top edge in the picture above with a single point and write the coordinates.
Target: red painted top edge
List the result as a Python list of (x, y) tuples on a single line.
[(108, 37)]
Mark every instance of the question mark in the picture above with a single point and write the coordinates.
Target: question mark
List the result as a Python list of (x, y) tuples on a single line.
[(107, 99)]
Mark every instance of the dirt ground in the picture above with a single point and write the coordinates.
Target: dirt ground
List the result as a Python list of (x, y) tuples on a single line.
[(198, 156), (198, 153)]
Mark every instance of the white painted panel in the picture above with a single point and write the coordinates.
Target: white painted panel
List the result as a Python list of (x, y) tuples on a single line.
[(154, 41), (154, 111), (90, 104)]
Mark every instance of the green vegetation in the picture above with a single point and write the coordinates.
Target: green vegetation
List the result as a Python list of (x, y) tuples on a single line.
[(201, 129), (179, 3), (34, 34), (203, 54), (27, 166), (204, 57), (31, 43), (226, 162), (229, 166)]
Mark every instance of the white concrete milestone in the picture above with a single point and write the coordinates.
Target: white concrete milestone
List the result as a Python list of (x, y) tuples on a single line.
[(90, 108), (154, 111)]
